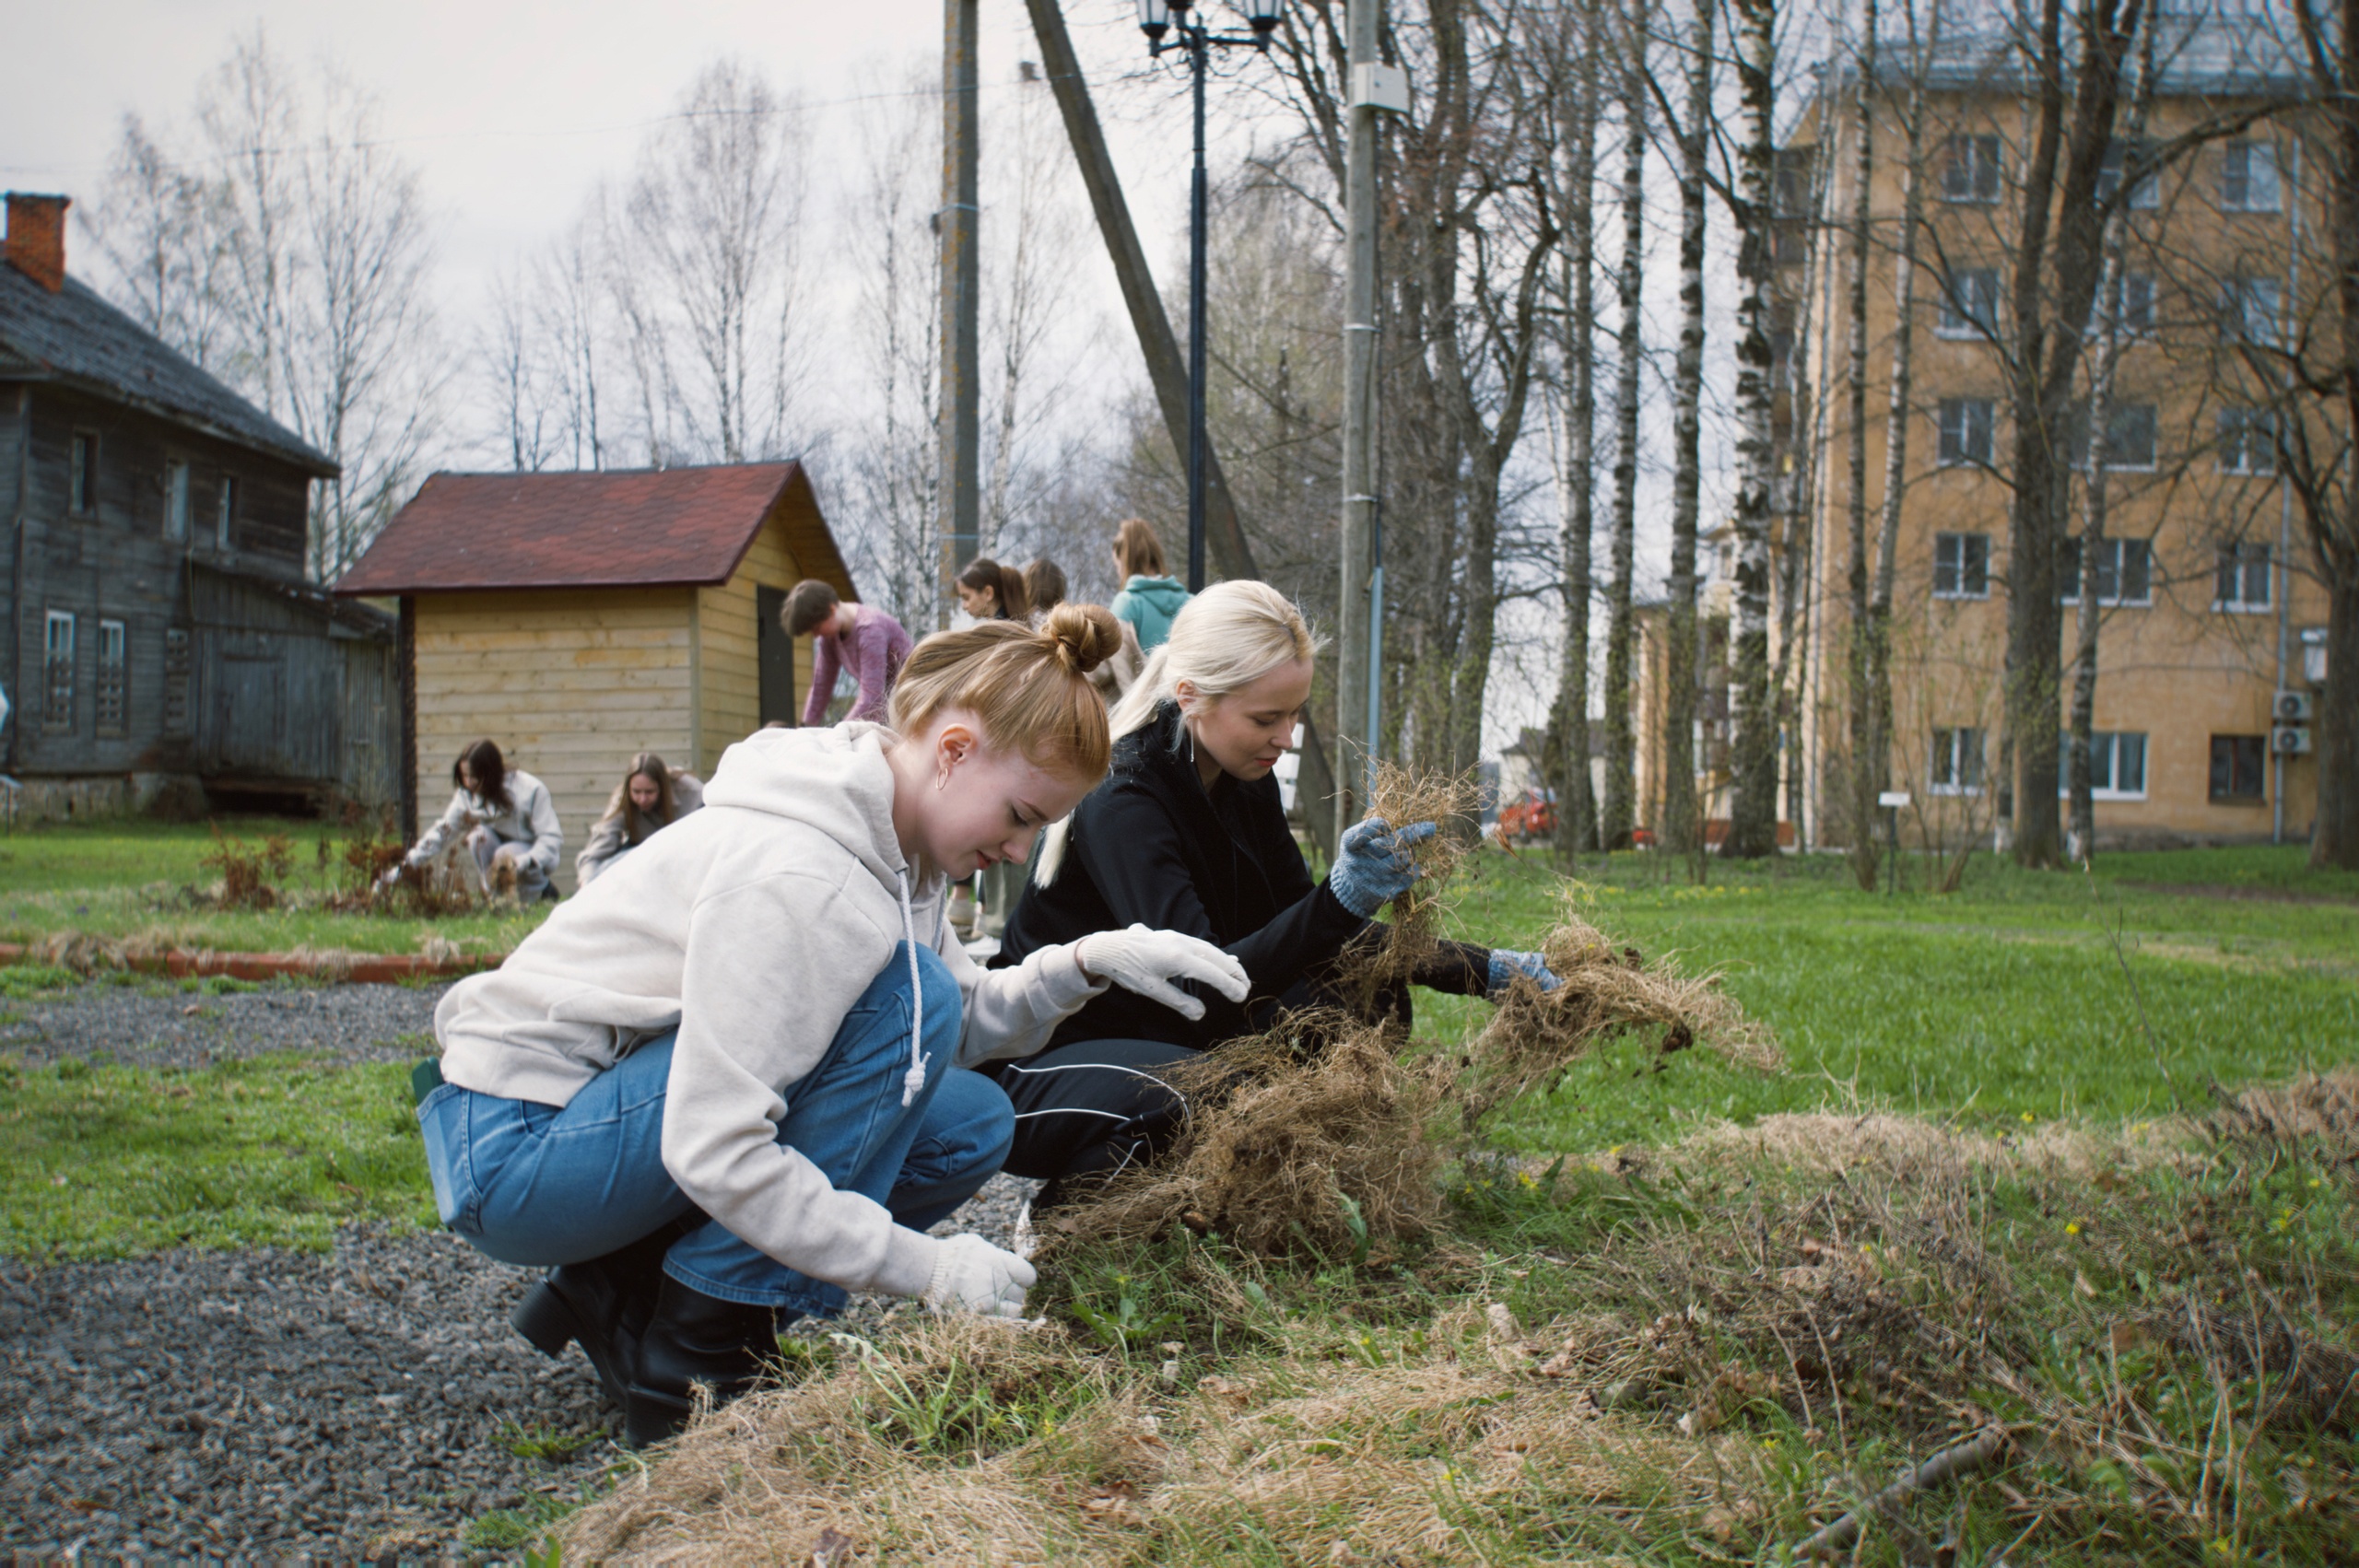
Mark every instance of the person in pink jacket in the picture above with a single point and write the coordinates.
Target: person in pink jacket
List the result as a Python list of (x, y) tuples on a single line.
[(859, 638)]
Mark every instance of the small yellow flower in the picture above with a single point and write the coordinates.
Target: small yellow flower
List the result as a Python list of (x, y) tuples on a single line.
[(2315, 1181), (2026, 1119), (1527, 1178), (2072, 1227)]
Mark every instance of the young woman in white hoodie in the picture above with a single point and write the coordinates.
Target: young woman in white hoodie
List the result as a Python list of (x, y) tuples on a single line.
[(728, 1079)]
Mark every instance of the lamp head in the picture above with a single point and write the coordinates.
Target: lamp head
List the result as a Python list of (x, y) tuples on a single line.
[(1262, 13), (1155, 19)]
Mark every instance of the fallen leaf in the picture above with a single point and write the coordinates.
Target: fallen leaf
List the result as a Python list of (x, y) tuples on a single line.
[(832, 1550), (2081, 1284)]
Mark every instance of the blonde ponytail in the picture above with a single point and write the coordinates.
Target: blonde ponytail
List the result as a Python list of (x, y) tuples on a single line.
[(1224, 640), (1028, 688)]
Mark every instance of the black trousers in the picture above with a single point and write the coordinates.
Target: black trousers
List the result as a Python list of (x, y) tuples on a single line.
[(1087, 1110)]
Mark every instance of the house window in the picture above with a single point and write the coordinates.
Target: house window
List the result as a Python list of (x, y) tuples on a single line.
[(1970, 172), (82, 474), (2242, 579), (225, 512), (2125, 573), (109, 706), (2248, 307), (176, 500), (176, 682), (2145, 196), (2249, 177), (1970, 304), (2117, 766), (1966, 425), (2236, 767), (1957, 762), (2129, 436), (2247, 440), (2137, 304), (57, 672), (1791, 191), (1961, 565)]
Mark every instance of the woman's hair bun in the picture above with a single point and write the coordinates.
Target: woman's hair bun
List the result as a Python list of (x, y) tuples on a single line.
[(1085, 635)]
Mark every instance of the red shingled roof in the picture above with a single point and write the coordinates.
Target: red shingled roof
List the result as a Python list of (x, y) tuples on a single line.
[(642, 528)]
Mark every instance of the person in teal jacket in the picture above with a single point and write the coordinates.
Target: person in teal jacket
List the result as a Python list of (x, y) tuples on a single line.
[(1148, 599)]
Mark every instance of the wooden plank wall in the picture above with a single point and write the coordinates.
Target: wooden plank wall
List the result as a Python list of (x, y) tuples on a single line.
[(569, 684), (730, 670)]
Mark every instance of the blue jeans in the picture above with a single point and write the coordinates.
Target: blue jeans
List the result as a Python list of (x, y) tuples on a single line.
[(540, 1185)]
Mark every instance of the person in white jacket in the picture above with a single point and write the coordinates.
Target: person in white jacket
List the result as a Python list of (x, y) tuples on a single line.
[(503, 814), (729, 1079), (651, 796)]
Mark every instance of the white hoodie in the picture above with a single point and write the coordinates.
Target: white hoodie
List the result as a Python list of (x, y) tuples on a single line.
[(753, 926)]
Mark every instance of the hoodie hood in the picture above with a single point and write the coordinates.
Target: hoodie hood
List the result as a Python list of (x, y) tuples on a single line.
[(834, 780), (1166, 593)]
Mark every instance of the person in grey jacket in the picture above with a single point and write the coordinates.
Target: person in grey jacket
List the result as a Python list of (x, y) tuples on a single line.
[(504, 815), (650, 796), (731, 1079)]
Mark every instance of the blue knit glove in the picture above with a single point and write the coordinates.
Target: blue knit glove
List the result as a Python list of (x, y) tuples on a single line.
[(1507, 964), (1375, 868)]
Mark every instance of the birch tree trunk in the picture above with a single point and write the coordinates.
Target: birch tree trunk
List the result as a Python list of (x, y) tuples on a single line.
[(1752, 827), (1616, 819), (1577, 807), (1679, 825), (1867, 766)]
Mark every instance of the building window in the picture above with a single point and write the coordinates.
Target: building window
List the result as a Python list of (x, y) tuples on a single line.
[(1970, 304), (2247, 440), (176, 500), (57, 672), (109, 706), (2121, 153), (2137, 304), (2125, 573), (2248, 307), (1970, 172), (1957, 762), (2117, 766), (225, 513), (2249, 177), (176, 682), (2242, 579), (1961, 565), (82, 474), (1790, 191), (1967, 426), (2236, 767)]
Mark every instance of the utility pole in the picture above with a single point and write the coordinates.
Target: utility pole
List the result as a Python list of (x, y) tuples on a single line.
[(1232, 556), (1359, 692), (961, 259)]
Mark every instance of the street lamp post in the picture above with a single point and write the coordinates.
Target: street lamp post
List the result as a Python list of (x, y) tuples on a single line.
[(1157, 18)]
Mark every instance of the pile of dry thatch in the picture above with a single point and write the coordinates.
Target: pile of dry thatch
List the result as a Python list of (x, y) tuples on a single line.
[(1332, 1133)]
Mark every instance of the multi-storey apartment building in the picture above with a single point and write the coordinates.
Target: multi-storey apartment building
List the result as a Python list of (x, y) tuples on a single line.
[(2208, 652)]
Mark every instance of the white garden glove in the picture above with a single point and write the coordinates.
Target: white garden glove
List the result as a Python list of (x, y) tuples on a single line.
[(1148, 962), (971, 1275)]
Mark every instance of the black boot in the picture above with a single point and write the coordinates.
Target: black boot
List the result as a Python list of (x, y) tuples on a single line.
[(604, 1303), (692, 1339)]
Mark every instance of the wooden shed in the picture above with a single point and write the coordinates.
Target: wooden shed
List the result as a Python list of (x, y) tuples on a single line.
[(579, 618)]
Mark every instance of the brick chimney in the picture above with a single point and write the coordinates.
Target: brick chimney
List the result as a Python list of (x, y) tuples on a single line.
[(37, 238)]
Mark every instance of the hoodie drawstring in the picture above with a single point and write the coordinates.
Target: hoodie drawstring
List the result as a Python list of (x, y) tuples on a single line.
[(914, 1080)]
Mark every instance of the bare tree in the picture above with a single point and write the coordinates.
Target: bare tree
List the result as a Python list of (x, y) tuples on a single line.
[(1618, 814), (1867, 762), (160, 227), (1752, 827), (1577, 90), (715, 218), (1694, 131)]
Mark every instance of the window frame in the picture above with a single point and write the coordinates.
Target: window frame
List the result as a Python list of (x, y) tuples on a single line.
[(2130, 411), (1966, 456), (2237, 295), (82, 474), (225, 513), (1950, 745), (59, 656), (2147, 195), (1953, 322), (110, 683), (2235, 562), (179, 504), (2107, 743), (2137, 323), (2258, 794), (2239, 425), (2235, 179), (1960, 571), (1986, 169), (2071, 569), (178, 682)]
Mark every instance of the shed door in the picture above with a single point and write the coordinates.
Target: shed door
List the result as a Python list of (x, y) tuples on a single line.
[(250, 716), (775, 653)]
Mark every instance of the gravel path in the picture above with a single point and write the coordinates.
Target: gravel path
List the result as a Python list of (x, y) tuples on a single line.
[(154, 1025), (273, 1405)]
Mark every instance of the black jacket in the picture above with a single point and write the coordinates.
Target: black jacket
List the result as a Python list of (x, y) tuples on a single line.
[(1150, 846)]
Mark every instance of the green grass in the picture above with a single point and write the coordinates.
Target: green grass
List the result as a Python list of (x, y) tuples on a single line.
[(134, 878), (2026, 996), (100, 1160)]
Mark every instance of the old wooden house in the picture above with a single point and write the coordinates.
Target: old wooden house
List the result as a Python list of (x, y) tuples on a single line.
[(579, 618), (159, 625)]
